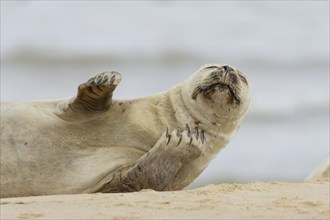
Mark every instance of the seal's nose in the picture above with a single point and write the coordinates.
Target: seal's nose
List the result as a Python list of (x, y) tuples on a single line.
[(227, 68), (231, 73)]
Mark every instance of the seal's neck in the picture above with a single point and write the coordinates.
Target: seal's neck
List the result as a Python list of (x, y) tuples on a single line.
[(186, 112)]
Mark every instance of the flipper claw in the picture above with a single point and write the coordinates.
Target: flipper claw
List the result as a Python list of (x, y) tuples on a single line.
[(168, 136), (188, 130), (202, 137), (99, 80), (180, 140), (112, 80), (196, 133)]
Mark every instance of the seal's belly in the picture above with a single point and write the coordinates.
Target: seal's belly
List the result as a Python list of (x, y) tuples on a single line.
[(42, 154)]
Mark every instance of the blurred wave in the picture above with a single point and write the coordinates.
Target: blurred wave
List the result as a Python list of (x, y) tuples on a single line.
[(171, 56)]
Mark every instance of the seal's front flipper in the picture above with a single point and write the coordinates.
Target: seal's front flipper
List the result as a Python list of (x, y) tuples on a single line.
[(94, 96), (157, 169)]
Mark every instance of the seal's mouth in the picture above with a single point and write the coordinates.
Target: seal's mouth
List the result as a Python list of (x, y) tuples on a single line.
[(218, 86), (220, 83)]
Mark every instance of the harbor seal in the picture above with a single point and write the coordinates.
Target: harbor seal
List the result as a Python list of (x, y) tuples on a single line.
[(321, 172), (93, 143)]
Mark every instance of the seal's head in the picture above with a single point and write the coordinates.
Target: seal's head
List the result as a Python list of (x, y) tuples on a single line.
[(219, 92)]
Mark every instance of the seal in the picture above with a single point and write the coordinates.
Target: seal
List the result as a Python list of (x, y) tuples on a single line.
[(93, 143), (321, 172)]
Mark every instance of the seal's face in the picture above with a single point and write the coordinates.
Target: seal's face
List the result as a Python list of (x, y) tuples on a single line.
[(220, 90)]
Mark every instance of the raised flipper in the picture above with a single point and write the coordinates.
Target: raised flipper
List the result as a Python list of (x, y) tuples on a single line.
[(94, 96), (158, 167)]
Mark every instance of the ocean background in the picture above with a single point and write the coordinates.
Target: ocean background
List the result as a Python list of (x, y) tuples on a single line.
[(49, 47)]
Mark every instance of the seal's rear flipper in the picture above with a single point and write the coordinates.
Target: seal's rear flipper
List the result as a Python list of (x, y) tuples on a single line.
[(321, 172), (94, 96)]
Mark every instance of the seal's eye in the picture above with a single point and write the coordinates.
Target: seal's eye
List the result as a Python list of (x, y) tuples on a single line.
[(243, 79), (211, 67)]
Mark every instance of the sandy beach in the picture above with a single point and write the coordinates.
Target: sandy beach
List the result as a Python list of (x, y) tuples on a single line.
[(256, 200)]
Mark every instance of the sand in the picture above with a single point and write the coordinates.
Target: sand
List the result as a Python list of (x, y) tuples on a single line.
[(257, 200)]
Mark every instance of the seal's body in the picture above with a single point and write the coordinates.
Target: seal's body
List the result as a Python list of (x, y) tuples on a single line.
[(92, 143), (321, 172)]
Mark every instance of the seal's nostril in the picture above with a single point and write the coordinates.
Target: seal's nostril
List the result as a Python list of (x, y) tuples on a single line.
[(227, 68)]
